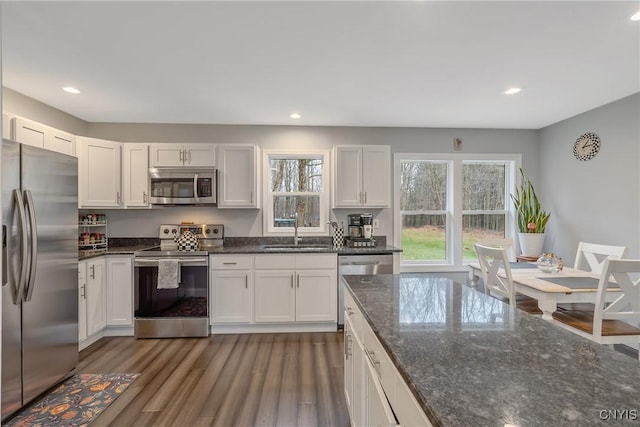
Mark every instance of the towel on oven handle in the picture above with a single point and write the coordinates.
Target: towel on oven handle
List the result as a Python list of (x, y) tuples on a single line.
[(168, 273)]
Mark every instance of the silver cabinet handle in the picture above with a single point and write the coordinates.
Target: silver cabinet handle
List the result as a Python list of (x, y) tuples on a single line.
[(365, 197), (349, 311), (33, 259), (347, 346), (24, 247), (144, 197), (297, 280), (181, 153), (187, 156), (292, 281), (83, 293), (246, 281), (229, 263), (93, 271), (117, 197)]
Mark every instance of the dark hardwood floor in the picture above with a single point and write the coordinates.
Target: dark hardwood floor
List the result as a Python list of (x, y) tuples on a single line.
[(224, 380)]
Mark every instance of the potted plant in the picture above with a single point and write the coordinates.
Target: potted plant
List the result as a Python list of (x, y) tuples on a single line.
[(531, 219)]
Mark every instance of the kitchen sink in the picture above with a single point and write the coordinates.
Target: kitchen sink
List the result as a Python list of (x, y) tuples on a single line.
[(299, 247)]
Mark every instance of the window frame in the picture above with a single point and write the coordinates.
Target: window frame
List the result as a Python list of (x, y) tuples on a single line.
[(268, 218), (453, 234)]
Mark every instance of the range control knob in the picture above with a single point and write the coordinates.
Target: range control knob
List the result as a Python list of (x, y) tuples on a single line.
[(165, 231), (207, 231), (174, 231), (216, 231)]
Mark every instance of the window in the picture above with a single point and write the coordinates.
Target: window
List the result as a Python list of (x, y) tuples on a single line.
[(445, 203), (484, 203), (296, 189)]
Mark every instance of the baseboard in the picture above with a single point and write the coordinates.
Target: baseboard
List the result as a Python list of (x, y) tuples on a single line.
[(625, 349)]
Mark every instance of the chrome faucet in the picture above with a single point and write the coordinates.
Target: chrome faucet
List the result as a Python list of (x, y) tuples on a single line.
[(295, 230)]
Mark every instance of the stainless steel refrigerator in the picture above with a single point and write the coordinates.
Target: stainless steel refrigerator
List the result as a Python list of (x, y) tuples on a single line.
[(40, 272)]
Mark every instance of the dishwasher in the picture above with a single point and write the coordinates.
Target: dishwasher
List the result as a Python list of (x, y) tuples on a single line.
[(356, 265)]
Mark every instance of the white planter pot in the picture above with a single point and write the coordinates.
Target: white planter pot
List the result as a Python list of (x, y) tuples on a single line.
[(531, 244)]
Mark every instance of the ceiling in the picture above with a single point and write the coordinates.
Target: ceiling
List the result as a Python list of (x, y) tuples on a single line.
[(413, 63)]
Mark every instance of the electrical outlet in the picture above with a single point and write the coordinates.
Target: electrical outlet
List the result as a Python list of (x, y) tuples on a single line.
[(376, 223)]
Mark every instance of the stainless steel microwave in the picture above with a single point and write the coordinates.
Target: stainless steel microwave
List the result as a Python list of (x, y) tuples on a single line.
[(183, 186)]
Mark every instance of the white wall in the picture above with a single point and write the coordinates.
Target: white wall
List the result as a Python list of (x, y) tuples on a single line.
[(596, 200)]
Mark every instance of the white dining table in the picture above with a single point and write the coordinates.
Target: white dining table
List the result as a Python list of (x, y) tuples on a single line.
[(550, 289)]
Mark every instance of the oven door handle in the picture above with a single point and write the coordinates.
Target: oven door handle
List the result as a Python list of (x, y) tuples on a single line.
[(140, 261)]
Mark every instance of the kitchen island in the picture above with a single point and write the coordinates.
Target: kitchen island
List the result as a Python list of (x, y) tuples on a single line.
[(470, 360)]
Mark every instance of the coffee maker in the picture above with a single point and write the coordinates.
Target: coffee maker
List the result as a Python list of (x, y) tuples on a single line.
[(360, 230)]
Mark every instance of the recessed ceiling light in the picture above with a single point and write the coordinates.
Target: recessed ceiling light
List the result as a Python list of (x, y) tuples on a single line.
[(70, 89), (512, 90), (295, 115), (636, 17)]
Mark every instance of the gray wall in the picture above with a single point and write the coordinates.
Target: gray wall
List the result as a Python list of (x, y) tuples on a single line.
[(144, 223), (596, 200)]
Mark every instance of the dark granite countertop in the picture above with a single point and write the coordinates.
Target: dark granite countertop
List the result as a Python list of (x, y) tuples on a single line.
[(247, 245), (471, 360)]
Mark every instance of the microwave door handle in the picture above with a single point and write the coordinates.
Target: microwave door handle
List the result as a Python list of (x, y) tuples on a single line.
[(195, 188)]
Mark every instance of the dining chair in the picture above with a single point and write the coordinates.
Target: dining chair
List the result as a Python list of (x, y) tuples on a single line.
[(595, 255), (617, 322), (491, 260), (506, 243)]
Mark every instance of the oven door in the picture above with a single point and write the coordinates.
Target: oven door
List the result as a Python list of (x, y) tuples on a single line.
[(181, 186), (171, 313)]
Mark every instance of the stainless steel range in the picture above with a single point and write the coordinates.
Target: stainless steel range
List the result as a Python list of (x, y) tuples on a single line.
[(171, 286)]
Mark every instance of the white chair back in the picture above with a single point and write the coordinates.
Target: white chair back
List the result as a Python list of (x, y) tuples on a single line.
[(491, 259), (595, 255), (627, 306), (507, 243)]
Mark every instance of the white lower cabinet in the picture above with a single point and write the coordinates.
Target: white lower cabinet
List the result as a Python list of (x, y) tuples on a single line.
[(231, 289), (376, 393), (119, 291), (95, 291), (296, 288)]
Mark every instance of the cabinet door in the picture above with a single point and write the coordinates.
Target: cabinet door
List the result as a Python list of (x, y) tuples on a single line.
[(377, 409), (96, 298), (136, 174), (200, 155), (119, 291), (231, 296), (316, 296), (348, 177), (82, 301), (29, 132), (359, 384), (99, 177), (61, 142), (376, 176), (275, 296), (237, 172), (166, 155), (348, 365)]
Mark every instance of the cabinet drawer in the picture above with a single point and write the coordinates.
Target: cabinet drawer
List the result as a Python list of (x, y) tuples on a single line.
[(231, 262), (275, 262), (316, 261), (407, 409), (385, 368), (352, 312)]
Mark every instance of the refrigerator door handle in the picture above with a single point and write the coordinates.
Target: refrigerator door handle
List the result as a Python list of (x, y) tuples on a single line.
[(4, 256), (33, 259), (24, 254)]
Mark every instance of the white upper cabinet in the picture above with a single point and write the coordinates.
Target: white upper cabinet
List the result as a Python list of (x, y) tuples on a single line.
[(179, 155), (362, 176), (135, 179), (33, 133), (99, 174), (237, 175)]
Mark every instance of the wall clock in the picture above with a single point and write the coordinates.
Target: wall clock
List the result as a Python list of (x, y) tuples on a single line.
[(586, 147)]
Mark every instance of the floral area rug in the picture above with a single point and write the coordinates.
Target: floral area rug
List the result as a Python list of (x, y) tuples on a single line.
[(76, 402)]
